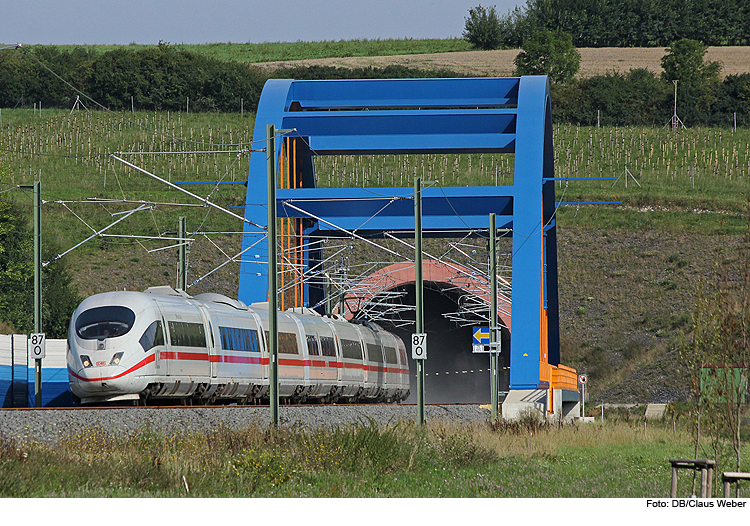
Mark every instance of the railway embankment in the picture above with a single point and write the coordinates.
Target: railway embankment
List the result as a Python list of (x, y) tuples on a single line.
[(50, 425)]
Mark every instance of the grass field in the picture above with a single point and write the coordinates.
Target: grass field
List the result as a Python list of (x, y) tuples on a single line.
[(628, 273), (628, 277), (616, 459), (449, 54), (694, 181), (284, 51)]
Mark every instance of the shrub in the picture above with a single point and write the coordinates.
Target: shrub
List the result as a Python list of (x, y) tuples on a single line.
[(698, 81), (549, 53), (483, 29), (17, 284)]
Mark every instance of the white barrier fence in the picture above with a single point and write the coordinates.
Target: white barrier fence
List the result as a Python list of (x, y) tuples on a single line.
[(17, 373)]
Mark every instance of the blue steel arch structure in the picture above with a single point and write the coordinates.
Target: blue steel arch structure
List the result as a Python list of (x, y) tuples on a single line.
[(410, 116)]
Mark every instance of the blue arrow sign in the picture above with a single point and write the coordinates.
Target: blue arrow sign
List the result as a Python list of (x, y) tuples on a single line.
[(481, 336)]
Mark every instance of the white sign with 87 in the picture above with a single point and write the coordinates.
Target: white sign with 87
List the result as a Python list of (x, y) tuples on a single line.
[(37, 345), (419, 346)]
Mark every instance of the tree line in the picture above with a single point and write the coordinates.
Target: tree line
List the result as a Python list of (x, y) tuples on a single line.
[(164, 77), (157, 78), (625, 23), (640, 97)]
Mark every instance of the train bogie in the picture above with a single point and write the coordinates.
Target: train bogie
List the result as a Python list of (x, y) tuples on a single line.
[(165, 344)]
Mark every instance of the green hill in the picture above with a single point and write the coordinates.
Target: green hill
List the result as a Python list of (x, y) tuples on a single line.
[(628, 273)]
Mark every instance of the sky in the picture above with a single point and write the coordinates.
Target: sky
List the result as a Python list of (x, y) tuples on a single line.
[(199, 22)]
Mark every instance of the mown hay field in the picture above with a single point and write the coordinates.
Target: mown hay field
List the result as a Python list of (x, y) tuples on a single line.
[(499, 63)]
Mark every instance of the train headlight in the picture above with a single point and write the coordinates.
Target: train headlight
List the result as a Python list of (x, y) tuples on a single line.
[(86, 361), (116, 359)]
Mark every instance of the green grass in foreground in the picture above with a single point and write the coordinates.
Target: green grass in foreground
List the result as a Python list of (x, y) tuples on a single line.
[(525, 459), (281, 51)]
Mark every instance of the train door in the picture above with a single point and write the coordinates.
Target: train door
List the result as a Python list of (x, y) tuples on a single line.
[(291, 361), (303, 367), (261, 318), (352, 373), (321, 349), (374, 368), (392, 365), (154, 339), (188, 353), (212, 341)]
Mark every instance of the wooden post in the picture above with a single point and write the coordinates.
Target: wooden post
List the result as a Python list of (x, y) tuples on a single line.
[(707, 471)]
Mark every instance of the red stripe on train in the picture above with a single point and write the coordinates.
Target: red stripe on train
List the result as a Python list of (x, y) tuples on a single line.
[(176, 355), (147, 360), (254, 360)]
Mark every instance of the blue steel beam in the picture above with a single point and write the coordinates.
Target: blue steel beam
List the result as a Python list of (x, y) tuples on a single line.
[(303, 106), (404, 93), (407, 131), (424, 116), (533, 164), (374, 211)]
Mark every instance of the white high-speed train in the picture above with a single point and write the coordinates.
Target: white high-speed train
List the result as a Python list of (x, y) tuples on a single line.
[(165, 344)]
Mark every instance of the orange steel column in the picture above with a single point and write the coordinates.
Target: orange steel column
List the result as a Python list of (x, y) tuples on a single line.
[(545, 370), (301, 238), (297, 234), (283, 224), (291, 276)]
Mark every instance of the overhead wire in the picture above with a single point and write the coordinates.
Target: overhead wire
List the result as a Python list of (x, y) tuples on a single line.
[(215, 189), (141, 126)]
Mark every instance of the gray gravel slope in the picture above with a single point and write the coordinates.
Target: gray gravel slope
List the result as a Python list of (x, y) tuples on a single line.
[(46, 426)]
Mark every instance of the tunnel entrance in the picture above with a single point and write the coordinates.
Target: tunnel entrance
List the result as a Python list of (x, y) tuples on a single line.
[(453, 374)]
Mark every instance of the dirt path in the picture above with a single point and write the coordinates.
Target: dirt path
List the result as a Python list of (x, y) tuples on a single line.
[(499, 63)]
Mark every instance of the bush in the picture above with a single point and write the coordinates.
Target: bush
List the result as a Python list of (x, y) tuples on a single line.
[(17, 283), (482, 28), (634, 98), (698, 81), (549, 53)]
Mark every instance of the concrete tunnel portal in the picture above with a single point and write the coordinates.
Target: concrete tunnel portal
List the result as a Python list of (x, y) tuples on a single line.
[(453, 373)]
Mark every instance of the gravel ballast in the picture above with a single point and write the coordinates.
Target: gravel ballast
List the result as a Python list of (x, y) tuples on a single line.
[(48, 425)]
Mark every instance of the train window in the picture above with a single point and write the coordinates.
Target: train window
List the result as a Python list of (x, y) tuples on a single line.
[(312, 345), (152, 337), (351, 349), (187, 334), (327, 346), (287, 342), (104, 322), (390, 355), (402, 351), (374, 354), (234, 339)]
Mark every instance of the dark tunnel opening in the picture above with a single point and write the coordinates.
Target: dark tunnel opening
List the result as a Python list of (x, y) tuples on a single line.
[(453, 373)]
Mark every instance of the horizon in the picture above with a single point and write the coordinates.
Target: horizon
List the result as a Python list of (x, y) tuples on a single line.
[(191, 22)]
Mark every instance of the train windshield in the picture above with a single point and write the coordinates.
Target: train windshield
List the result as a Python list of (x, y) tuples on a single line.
[(104, 322)]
